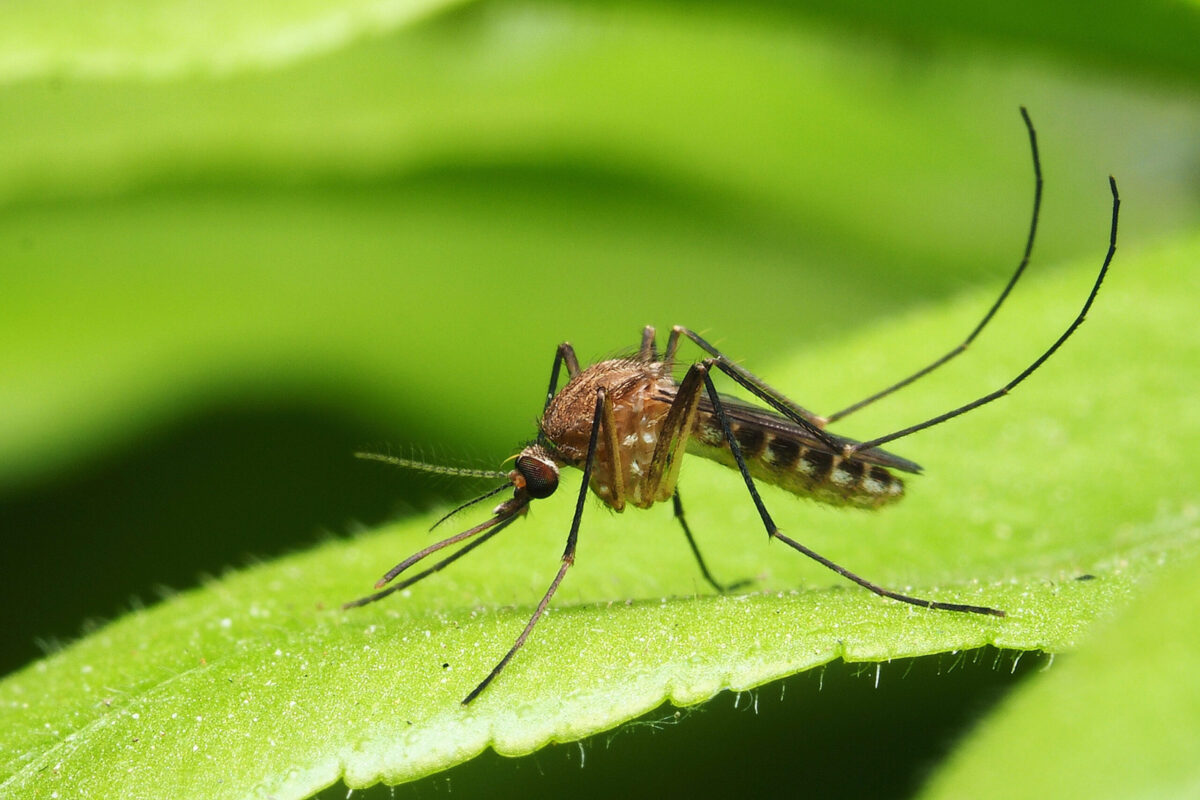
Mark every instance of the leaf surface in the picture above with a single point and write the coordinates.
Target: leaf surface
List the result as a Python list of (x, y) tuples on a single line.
[(257, 685)]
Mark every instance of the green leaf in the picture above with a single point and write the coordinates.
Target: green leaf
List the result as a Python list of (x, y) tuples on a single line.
[(1155, 37), (1118, 719), (166, 38), (159, 39), (257, 685), (545, 158), (401, 220)]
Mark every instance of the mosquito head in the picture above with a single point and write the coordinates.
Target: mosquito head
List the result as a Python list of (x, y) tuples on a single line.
[(536, 473)]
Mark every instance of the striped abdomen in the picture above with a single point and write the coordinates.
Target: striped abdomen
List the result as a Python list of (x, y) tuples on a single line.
[(797, 465)]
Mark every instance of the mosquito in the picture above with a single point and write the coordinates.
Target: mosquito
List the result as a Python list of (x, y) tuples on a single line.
[(627, 423)]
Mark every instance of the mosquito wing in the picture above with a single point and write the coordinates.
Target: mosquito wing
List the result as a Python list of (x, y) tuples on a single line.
[(741, 412)]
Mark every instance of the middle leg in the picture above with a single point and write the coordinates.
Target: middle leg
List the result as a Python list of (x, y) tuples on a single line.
[(687, 531), (663, 472)]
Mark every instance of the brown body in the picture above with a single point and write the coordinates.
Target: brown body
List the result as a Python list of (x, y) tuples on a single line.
[(641, 396), (627, 424), (775, 449)]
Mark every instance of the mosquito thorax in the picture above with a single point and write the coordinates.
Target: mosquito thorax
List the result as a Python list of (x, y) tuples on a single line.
[(536, 473)]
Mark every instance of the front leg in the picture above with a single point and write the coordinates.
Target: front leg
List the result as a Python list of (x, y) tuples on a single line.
[(568, 556)]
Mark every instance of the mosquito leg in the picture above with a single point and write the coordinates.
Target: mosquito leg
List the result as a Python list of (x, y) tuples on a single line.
[(612, 443), (1012, 281), (1008, 387), (773, 531), (806, 419), (564, 353), (720, 587), (445, 562), (662, 473), (568, 557), (648, 352)]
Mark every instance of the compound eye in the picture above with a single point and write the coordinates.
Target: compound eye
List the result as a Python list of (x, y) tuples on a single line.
[(541, 479)]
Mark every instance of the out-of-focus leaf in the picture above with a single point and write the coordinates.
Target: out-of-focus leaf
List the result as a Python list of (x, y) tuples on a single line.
[(580, 172), (165, 39), (1118, 719)]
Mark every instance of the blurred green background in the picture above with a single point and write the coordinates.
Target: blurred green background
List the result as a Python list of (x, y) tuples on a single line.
[(236, 247)]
